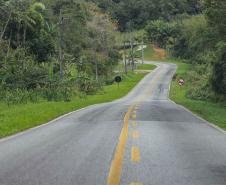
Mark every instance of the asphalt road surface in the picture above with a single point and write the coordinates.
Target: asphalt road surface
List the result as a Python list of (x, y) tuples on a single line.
[(141, 139)]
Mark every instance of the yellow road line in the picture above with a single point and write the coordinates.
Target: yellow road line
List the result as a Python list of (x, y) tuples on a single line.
[(116, 165), (135, 154), (135, 183), (135, 134)]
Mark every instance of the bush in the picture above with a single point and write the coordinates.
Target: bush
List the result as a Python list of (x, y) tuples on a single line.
[(19, 96), (109, 82), (160, 32), (55, 91), (88, 85), (218, 78), (200, 88)]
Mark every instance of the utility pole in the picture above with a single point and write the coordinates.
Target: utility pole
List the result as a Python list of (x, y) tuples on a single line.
[(96, 66), (60, 44), (132, 52), (142, 49), (124, 57)]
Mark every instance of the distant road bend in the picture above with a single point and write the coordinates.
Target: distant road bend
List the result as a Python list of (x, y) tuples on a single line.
[(141, 139)]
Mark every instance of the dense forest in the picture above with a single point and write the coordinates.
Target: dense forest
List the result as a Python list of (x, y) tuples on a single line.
[(192, 30), (201, 41), (51, 49), (133, 14), (54, 48)]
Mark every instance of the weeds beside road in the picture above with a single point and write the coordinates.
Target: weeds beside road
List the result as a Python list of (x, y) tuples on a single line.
[(210, 111), (20, 117)]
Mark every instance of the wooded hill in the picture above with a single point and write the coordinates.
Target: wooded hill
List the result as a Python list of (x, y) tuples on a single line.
[(192, 30), (201, 41), (134, 14), (53, 48)]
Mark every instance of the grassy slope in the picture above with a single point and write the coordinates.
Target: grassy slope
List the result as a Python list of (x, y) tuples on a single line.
[(148, 53), (17, 118), (212, 112), (146, 67)]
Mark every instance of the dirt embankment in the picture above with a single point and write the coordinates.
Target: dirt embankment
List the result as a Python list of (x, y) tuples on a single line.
[(159, 53)]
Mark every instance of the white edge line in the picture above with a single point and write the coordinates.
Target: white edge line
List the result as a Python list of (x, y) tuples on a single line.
[(200, 118), (197, 116), (65, 115), (48, 123), (194, 114)]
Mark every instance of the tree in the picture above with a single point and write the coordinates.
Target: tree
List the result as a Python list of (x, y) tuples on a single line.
[(215, 13), (142, 11)]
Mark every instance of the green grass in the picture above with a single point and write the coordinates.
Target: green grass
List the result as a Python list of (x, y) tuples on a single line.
[(146, 67), (148, 53), (210, 111), (17, 118)]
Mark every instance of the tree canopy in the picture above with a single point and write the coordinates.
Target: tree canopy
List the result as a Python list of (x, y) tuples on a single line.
[(134, 14)]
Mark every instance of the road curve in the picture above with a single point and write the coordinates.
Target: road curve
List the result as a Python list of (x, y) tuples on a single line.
[(166, 144)]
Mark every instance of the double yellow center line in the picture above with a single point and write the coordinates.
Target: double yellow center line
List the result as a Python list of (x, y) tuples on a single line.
[(116, 165)]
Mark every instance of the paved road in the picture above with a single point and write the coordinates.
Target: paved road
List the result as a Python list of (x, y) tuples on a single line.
[(165, 144)]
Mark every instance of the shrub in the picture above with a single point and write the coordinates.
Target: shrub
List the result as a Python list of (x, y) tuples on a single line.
[(88, 84), (55, 91), (218, 78)]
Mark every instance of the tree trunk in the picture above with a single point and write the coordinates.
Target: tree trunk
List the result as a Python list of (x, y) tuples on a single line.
[(10, 37), (96, 70), (6, 25), (24, 35)]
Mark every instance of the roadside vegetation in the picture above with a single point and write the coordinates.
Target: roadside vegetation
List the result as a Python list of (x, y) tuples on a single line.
[(133, 14), (55, 57), (198, 40), (146, 67), (148, 52), (60, 55), (196, 43), (20, 117), (208, 109), (52, 49), (212, 111)]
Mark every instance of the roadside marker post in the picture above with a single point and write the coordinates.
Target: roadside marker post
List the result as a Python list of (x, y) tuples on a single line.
[(118, 79)]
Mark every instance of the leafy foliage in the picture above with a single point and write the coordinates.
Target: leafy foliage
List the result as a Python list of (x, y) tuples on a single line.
[(134, 14), (200, 40), (43, 42)]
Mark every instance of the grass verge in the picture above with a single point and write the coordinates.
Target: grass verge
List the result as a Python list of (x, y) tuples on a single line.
[(148, 53), (210, 111), (17, 118), (146, 67)]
